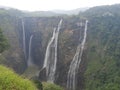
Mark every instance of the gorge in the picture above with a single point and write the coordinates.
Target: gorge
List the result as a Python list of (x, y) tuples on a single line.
[(77, 52)]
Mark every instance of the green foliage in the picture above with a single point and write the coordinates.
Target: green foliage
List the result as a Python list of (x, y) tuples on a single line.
[(3, 42), (103, 64), (11, 81), (105, 10), (50, 86), (38, 84), (11, 12)]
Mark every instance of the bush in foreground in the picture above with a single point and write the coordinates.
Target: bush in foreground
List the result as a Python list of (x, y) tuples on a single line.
[(11, 81), (50, 86)]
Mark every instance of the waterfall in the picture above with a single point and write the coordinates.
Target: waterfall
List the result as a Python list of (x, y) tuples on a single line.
[(24, 43), (48, 49), (74, 66), (50, 60), (29, 62)]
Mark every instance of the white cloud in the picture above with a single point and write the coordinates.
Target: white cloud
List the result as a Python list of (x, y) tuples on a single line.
[(54, 4)]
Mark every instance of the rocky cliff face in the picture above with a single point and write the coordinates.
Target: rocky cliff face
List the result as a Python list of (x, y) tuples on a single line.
[(41, 29), (14, 56), (71, 33)]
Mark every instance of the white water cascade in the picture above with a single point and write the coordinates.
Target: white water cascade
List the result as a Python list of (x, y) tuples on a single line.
[(24, 42), (29, 62), (74, 66), (50, 60)]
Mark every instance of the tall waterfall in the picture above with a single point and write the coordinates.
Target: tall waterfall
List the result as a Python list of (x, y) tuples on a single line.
[(29, 62), (24, 42), (51, 55), (74, 66)]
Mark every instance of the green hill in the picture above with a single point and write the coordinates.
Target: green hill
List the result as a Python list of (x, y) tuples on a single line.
[(11, 81), (103, 53)]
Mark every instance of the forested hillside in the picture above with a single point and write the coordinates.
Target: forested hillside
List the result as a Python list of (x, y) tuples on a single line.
[(103, 53)]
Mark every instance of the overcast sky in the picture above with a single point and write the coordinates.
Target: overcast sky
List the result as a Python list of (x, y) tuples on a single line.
[(44, 5)]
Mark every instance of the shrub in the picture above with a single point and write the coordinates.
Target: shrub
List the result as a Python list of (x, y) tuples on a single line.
[(50, 86), (11, 81)]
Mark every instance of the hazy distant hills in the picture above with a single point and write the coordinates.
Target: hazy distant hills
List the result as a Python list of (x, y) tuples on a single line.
[(105, 10), (56, 12), (94, 11), (50, 13), (3, 7), (71, 12)]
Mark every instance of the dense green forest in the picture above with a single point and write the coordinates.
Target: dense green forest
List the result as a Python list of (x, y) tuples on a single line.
[(3, 42), (102, 71), (103, 54)]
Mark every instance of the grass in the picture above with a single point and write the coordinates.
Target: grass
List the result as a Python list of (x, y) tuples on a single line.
[(31, 71), (50, 86), (11, 81)]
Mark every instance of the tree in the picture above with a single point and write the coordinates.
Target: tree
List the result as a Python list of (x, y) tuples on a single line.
[(3, 42)]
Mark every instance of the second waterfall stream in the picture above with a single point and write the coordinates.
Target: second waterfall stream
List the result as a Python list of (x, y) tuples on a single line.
[(29, 62), (74, 66), (50, 60)]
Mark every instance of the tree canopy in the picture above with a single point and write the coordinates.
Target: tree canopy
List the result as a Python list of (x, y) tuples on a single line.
[(3, 42)]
